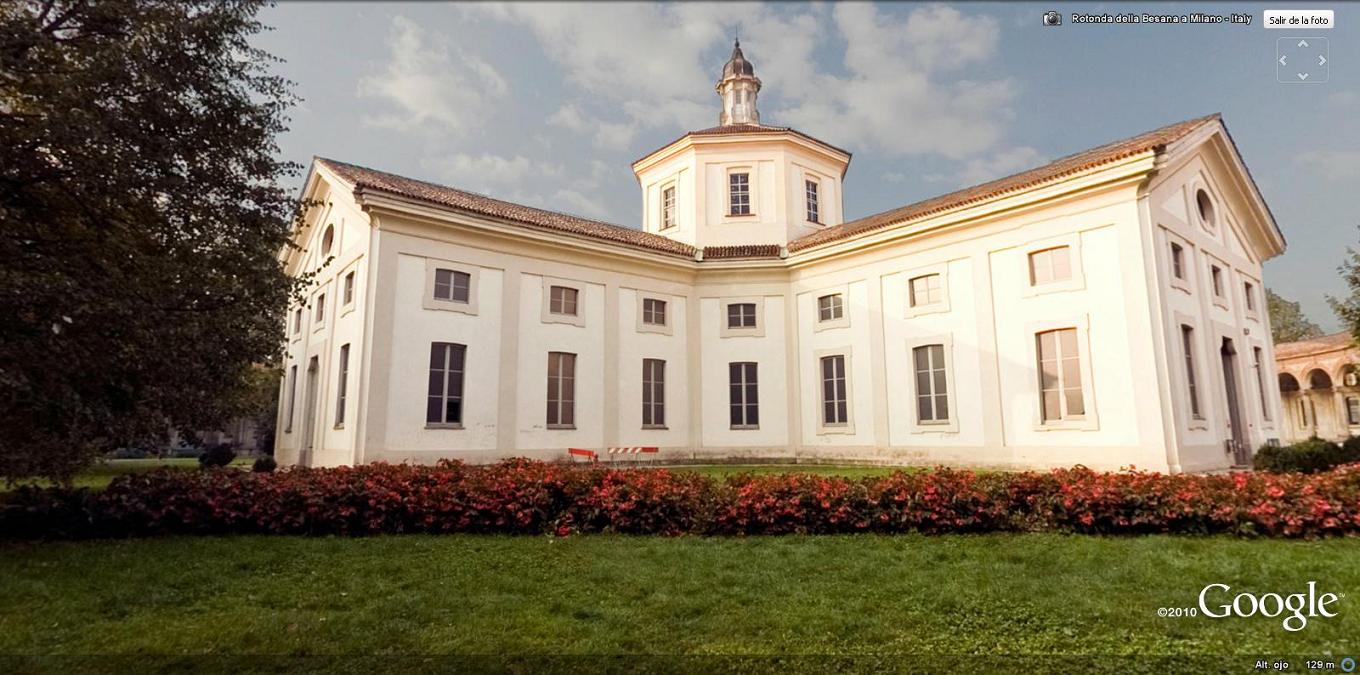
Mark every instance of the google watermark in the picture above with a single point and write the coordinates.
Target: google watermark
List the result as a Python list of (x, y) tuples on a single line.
[(1217, 601)]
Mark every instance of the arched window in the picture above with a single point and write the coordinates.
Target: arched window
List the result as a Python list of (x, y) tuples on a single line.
[(1319, 379), (1350, 376), (1288, 383)]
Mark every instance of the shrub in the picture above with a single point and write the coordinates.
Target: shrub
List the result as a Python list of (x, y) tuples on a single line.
[(1308, 456), (264, 464), (217, 455), (525, 497)]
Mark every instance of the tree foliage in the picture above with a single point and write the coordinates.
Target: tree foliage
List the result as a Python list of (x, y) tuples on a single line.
[(1287, 320), (1347, 308), (141, 218)]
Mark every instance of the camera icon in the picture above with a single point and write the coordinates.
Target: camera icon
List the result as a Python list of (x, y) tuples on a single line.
[(1052, 19)]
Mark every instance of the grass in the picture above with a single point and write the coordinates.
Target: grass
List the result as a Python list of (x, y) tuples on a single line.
[(99, 475), (900, 601)]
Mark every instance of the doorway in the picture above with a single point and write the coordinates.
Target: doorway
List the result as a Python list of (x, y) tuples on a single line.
[(309, 414), (1238, 443)]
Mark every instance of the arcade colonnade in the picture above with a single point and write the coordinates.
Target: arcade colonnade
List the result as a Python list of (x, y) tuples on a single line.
[(1319, 388)]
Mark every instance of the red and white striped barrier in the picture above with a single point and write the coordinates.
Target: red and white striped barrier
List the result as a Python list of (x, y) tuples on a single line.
[(632, 450), (595, 457)]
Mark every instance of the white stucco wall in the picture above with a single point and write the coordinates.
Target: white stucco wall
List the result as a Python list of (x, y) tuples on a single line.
[(1119, 298), (1174, 217)]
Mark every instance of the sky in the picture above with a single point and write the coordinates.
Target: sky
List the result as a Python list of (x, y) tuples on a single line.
[(548, 103)]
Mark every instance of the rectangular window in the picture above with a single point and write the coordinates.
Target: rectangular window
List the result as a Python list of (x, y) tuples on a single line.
[(830, 307), (932, 389), (835, 406), (741, 315), (1188, 347), (452, 285), (349, 288), (813, 214), (1216, 275), (321, 308), (1060, 375), (1352, 411), (341, 383), (1177, 261), (1250, 291), (653, 393), (668, 208), (562, 300), (742, 395), (1303, 412), (297, 321), (739, 194), (926, 290), (445, 402), (561, 390), (653, 312), (1050, 265), (292, 398), (1260, 382)]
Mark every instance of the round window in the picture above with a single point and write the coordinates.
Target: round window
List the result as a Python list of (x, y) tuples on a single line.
[(327, 240), (1206, 207)]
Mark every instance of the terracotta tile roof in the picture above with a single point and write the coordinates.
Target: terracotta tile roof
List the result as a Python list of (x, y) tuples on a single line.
[(1318, 345), (381, 181), (743, 251), (1153, 140), (732, 129)]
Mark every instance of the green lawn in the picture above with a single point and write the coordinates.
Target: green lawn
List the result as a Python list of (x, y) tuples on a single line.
[(900, 601), (100, 474)]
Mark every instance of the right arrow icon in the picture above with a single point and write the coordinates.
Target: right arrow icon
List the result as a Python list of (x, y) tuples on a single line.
[(1322, 60)]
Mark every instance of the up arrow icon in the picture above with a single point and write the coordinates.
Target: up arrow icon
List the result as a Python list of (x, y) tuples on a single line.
[(1303, 43)]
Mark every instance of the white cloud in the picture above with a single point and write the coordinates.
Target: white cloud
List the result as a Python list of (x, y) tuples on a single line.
[(489, 173), (430, 87), (1332, 164), (576, 203), (568, 117), (907, 88), (909, 85), (998, 165)]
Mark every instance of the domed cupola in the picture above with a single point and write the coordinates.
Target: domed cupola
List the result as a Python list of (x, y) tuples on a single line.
[(738, 88)]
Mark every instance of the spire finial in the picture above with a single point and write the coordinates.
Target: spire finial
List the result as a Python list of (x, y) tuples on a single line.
[(738, 88)]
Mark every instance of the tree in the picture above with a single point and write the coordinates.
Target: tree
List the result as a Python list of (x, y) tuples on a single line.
[(1287, 321), (1347, 309), (142, 214)]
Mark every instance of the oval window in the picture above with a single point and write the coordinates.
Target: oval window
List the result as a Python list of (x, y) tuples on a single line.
[(1206, 207), (327, 240)]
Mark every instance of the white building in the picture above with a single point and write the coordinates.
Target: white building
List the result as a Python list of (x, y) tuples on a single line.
[(1105, 309)]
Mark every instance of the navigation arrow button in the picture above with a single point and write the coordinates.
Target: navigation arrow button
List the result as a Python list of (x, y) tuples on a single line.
[(1322, 60), (1303, 76), (1303, 43)]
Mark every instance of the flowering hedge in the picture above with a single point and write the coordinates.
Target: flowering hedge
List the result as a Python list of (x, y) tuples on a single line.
[(525, 497)]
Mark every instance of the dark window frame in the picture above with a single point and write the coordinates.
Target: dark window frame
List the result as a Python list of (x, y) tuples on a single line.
[(448, 360), (743, 391)]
